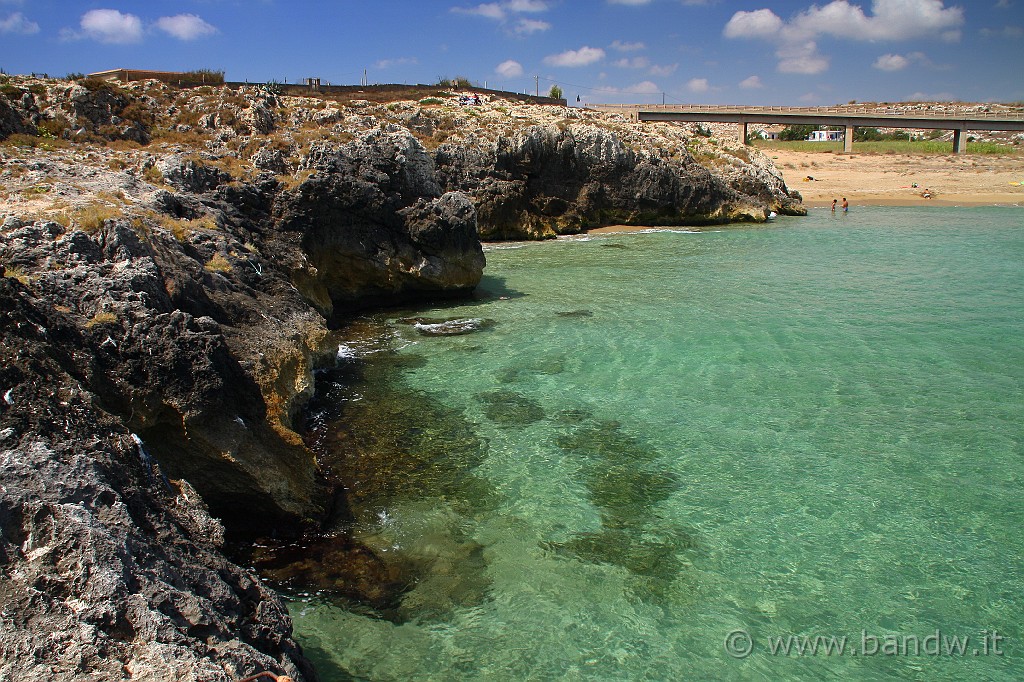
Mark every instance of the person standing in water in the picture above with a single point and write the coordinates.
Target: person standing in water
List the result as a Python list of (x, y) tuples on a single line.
[(846, 205), (834, 202)]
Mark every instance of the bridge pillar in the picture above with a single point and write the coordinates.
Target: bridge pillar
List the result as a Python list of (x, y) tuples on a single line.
[(848, 139), (959, 141), (743, 132)]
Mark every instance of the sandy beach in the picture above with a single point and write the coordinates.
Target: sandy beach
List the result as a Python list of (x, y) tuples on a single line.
[(887, 179)]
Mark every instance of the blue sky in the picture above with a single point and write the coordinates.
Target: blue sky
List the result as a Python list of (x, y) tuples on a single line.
[(702, 51)]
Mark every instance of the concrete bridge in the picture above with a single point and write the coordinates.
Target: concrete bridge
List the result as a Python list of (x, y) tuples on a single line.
[(849, 117)]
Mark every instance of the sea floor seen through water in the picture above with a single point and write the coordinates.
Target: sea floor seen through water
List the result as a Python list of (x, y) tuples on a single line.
[(671, 455)]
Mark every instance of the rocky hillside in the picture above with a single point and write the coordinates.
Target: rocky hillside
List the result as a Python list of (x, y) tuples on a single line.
[(174, 262)]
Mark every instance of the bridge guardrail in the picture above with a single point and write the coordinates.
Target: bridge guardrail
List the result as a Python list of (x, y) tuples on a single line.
[(835, 111)]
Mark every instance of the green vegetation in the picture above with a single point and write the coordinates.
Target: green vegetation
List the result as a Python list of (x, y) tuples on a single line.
[(792, 133), (202, 77), (902, 146), (427, 101), (11, 92), (555, 92)]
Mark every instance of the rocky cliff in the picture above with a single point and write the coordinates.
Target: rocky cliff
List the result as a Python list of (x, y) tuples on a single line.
[(174, 263)]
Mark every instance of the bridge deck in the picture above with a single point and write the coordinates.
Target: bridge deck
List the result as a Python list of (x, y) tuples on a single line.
[(850, 117)]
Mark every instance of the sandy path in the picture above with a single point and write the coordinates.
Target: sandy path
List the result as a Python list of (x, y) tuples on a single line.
[(886, 179)]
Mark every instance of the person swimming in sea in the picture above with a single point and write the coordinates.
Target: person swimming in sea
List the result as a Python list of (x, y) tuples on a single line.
[(834, 202), (846, 205)]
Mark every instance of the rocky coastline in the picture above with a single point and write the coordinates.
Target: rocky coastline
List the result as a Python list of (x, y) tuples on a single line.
[(175, 265)]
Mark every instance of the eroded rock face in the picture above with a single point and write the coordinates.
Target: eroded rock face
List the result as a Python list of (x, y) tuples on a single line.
[(375, 227), (107, 568), (548, 180), (161, 348)]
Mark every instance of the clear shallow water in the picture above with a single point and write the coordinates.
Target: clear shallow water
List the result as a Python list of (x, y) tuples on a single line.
[(809, 428)]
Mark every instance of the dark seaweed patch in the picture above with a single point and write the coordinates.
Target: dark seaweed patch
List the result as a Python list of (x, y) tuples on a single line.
[(509, 408), (621, 477)]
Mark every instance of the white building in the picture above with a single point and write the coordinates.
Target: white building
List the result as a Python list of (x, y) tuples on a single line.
[(826, 136)]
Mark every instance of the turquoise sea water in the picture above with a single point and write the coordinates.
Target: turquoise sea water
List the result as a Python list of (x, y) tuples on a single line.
[(660, 441)]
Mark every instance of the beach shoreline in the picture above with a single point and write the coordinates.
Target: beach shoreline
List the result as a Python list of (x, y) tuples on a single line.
[(890, 179)]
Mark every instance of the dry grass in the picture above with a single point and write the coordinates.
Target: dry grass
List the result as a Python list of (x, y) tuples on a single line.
[(219, 264), (19, 274), (101, 318), (290, 182), (230, 164), (153, 176), (181, 228), (169, 136), (92, 217)]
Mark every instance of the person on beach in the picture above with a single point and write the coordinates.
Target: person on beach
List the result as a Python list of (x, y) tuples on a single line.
[(846, 205), (834, 202)]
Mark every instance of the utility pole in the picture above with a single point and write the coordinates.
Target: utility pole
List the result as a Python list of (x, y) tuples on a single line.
[(663, 99), (536, 80)]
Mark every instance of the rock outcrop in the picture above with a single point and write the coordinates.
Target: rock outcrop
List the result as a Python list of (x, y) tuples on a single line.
[(548, 180), (107, 569), (165, 303)]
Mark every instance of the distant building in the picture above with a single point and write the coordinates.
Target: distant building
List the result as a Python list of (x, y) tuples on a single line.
[(826, 136), (769, 132)]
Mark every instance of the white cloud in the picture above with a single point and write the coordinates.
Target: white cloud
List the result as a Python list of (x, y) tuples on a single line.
[(889, 20), (762, 23), (490, 10), (185, 26), (528, 26), (891, 62), (663, 69), (400, 61), (1003, 4), (509, 68), (627, 47), (898, 62), (18, 23), (751, 83), (581, 57), (801, 58), (698, 85), (643, 88), (527, 6), (1004, 32), (110, 26), (633, 63), (500, 11)]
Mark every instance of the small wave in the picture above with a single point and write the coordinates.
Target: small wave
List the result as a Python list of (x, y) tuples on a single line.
[(346, 352), (455, 327), (509, 247)]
